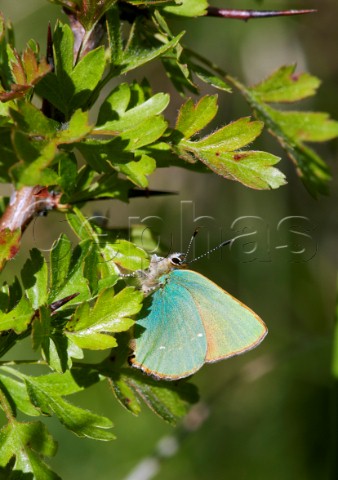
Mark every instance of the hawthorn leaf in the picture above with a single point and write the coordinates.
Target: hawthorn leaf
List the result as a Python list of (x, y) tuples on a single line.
[(188, 8), (305, 126), (252, 169), (91, 328), (34, 277), (293, 128), (229, 138), (67, 271), (27, 442), (137, 171), (10, 244), (115, 117), (135, 56), (18, 394), (169, 400), (284, 85), (192, 118), (85, 76), (82, 422), (18, 318)]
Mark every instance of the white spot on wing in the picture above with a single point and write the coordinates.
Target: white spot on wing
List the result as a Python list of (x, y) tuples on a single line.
[(162, 347), (200, 334)]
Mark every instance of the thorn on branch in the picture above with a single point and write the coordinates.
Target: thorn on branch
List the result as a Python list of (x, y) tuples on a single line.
[(248, 14)]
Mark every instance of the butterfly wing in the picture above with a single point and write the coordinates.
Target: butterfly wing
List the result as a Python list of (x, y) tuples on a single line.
[(170, 340), (231, 327)]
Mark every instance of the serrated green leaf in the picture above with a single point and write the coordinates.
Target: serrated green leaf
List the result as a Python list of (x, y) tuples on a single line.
[(54, 346), (30, 120), (292, 128), (8, 156), (68, 173), (63, 44), (115, 117), (60, 257), (75, 130), (285, 85), (168, 400), (306, 126), (82, 422), (192, 118), (138, 171), (85, 77), (231, 137), (72, 381), (18, 318), (92, 327), (19, 396), (136, 56), (251, 168), (10, 244), (67, 270), (41, 330), (27, 442), (35, 156), (112, 252), (188, 8), (143, 134), (34, 277), (114, 29), (211, 79)]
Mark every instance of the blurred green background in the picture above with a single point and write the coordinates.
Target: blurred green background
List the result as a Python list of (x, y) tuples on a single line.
[(269, 414)]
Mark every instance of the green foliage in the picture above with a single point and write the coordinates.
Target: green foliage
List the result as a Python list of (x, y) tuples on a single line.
[(76, 300)]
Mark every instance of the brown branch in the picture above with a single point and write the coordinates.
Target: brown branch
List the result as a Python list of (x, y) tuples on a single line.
[(248, 14), (27, 203)]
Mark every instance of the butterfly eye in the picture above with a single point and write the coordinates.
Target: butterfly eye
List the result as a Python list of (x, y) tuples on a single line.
[(177, 260)]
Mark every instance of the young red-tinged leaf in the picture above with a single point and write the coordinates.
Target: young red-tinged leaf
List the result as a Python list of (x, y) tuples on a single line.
[(88, 12), (91, 328), (27, 442), (82, 422), (18, 318), (26, 72), (170, 401), (192, 118), (286, 86), (9, 245)]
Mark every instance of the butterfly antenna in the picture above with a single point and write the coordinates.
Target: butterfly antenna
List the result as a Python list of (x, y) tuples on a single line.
[(221, 245), (190, 243)]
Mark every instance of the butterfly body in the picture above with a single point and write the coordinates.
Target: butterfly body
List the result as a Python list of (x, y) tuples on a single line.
[(188, 321)]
